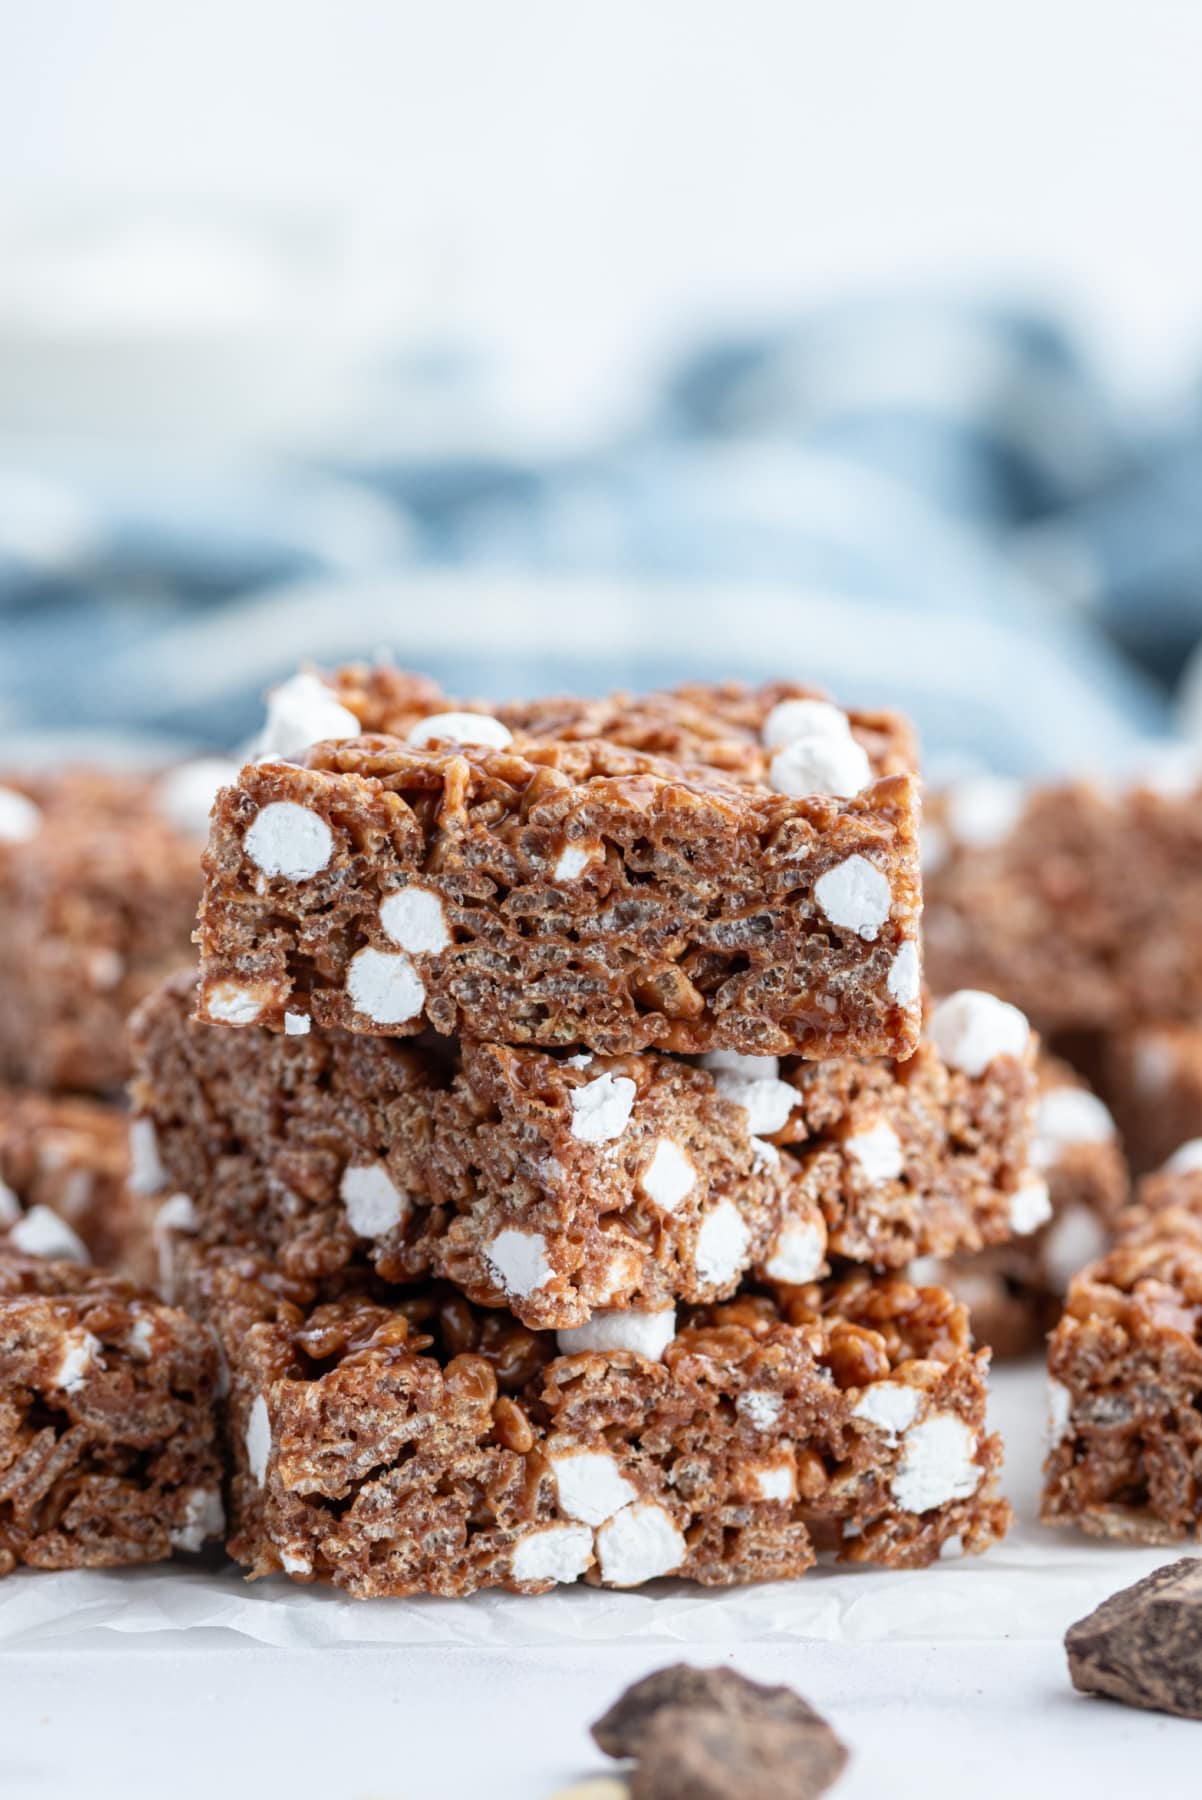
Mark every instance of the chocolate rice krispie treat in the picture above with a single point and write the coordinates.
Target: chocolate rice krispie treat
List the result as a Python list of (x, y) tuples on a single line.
[(420, 1445), (108, 1436), (511, 887), (1078, 904), (586, 1193), (1151, 1076), (1125, 1367), (1015, 1291), (99, 880), (67, 1189)]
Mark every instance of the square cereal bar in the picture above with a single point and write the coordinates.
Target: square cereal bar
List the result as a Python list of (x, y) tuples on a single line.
[(561, 891), (418, 1445), (1125, 1367), (585, 1192), (99, 881), (108, 1435)]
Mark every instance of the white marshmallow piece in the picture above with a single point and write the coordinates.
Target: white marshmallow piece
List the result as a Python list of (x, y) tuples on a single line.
[(888, 1406), (518, 1260), (590, 1485), (820, 765), (759, 1408), (1066, 1116), (775, 1480), (904, 981), (146, 1172), (877, 1153), (766, 1100), (969, 1029), (258, 1440), (289, 840), (791, 720), (10, 1206), (185, 794), (1186, 1158), (669, 1177), (300, 712), (937, 1464), (478, 729), (293, 1563), (646, 1333), (297, 1024), (983, 810), (374, 1206), (1030, 1207), (40, 1232), (204, 1518), (140, 1342), (416, 921), (1060, 1411), (385, 987), (557, 1553), (1075, 1237), (20, 819), (722, 1243), (81, 1351), (798, 1253), (601, 1109), (855, 895), (639, 1544), (232, 1004), (737, 1062)]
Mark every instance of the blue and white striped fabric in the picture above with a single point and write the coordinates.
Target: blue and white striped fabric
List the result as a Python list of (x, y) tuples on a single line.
[(929, 505)]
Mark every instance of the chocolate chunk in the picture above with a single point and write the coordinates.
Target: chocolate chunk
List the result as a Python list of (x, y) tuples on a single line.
[(1144, 1645), (703, 1732), (705, 1754)]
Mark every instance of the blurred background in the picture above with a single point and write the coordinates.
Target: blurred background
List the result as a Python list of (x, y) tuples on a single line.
[(575, 345)]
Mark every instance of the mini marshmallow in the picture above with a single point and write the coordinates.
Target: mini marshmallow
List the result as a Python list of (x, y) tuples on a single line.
[(737, 1062), (760, 1408), (937, 1464), (373, 1205), (297, 1024), (232, 1004), (141, 1338), (479, 729), (293, 1563), (258, 1440), (790, 720), (890, 1406), (557, 1553), (1030, 1207), (722, 1243), (573, 860), (637, 1545), (590, 1485), (40, 1232), (10, 1206), (289, 840), (820, 765), (185, 795), (775, 1480), (969, 1029), (983, 810), (204, 1518), (80, 1351), (877, 1153), (105, 969), (146, 1172), (669, 1176), (300, 712), (1060, 1411), (766, 1100), (798, 1253), (1075, 1237), (1065, 1116), (584, 1060), (176, 1214), (904, 980), (764, 1155), (855, 895), (416, 921), (20, 819), (385, 987), (647, 1333), (518, 1260), (1186, 1158), (601, 1109)]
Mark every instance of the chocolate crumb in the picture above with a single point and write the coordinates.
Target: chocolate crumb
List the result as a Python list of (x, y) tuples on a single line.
[(1143, 1646)]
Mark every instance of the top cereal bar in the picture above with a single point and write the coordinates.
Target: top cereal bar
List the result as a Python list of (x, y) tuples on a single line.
[(713, 869)]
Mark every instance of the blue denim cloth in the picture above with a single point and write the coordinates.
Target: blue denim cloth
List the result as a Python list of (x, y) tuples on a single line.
[(908, 502)]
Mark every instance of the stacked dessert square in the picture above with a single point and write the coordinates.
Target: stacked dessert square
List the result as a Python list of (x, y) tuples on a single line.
[(547, 1146)]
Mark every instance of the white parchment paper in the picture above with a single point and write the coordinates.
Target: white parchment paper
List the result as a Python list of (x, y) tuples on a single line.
[(1024, 1590)]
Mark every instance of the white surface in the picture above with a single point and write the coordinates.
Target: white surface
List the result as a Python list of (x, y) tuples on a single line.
[(945, 1682)]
